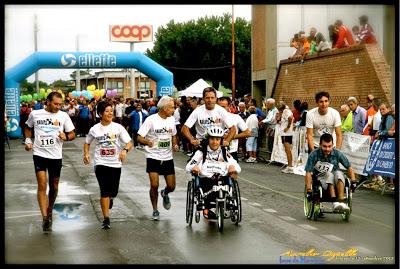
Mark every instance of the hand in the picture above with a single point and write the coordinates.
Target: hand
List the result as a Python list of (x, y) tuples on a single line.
[(195, 142), (225, 143), (122, 155), (28, 147), (86, 159), (175, 147), (285, 130), (150, 143), (196, 170), (309, 196), (231, 169), (62, 136)]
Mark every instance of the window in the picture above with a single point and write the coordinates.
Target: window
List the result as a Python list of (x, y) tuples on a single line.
[(119, 85), (144, 86)]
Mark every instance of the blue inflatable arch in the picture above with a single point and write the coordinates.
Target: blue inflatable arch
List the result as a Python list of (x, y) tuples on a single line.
[(78, 60)]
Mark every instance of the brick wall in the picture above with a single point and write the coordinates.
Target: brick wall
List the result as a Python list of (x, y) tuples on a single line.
[(356, 71)]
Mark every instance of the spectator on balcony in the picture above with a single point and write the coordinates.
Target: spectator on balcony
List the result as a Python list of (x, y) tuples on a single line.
[(367, 34), (359, 115), (356, 34), (345, 38), (333, 34), (320, 42)]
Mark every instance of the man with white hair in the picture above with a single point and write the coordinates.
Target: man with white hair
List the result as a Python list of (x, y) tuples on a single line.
[(158, 133), (270, 121), (359, 115), (347, 118)]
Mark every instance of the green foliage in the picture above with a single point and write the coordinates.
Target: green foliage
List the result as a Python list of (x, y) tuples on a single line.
[(30, 88), (192, 49), (81, 72), (226, 91), (60, 83)]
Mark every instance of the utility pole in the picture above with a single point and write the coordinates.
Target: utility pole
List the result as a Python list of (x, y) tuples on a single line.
[(78, 72), (133, 90), (35, 38), (233, 56)]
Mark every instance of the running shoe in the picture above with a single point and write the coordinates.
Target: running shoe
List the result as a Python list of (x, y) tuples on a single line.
[(166, 201), (46, 225), (156, 215), (106, 224), (287, 170)]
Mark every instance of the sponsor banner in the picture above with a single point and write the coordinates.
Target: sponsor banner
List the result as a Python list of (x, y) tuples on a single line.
[(131, 33), (87, 60), (381, 160), (356, 148)]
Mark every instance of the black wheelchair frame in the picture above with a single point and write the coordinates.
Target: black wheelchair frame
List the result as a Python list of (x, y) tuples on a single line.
[(224, 196), (320, 198)]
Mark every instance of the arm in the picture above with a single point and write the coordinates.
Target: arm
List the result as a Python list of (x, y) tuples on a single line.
[(28, 139), (186, 132), (124, 151), (175, 145), (86, 156), (339, 137), (310, 139), (308, 179), (68, 136), (246, 133), (194, 165), (144, 141), (231, 134), (350, 171)]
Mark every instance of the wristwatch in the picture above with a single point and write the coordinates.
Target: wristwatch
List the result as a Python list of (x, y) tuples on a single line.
[(126, 150)]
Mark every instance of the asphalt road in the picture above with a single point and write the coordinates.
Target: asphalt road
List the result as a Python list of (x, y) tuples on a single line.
[(273, 228)]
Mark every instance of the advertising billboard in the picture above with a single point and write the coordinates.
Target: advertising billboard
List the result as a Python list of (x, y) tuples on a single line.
[(131, 33)]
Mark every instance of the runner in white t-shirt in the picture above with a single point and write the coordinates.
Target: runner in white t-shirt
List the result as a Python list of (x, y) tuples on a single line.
[(51, 127), (208, 115), (286, 133), (239, 124), (158, 133), (323, 119), (108, 156)]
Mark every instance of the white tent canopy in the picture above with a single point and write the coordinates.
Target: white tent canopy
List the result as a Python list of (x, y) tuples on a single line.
[(196, 89)]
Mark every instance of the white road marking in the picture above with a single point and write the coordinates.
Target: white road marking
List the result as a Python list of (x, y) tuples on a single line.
[(179, 169), (244, 199), (255, 204), (22, 216), (270, 210), (307, 227), (332, 237), (287, 218)]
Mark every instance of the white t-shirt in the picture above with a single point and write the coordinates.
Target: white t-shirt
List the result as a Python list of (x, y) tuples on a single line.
[(239, 123), (204, 118), (47, 126), (118, 110), (213, 164), (323, 123), (252, 124), (376, 120), (177, 116), (108, 143), (284, 123), (160, 131)]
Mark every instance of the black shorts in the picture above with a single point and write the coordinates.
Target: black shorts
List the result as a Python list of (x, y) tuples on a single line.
[(52, 165), (160, 167), (108, 178), (287, 139)]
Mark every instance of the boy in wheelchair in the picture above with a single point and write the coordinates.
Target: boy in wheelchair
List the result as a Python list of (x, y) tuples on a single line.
[(211, 162), (323, 167)]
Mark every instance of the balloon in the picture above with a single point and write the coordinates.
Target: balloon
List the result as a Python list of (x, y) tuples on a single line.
[(29, 97), (42, 95), (35, 96), (42, 90), (49, 91), (22, 98), (102, 92), (114, 92), (63, 96), (90, 95), (108, 93)]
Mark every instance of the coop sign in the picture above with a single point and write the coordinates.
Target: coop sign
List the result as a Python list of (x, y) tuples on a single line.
[(131, 33)]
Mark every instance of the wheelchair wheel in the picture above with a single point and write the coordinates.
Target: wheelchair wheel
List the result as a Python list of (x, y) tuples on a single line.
[(189, 202), (316, 212), (221, 216), (346, 215), (308, 206), (197, 217), (237, 217)]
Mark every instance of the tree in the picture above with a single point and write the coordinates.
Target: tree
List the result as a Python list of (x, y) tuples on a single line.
[(60, 83), (30, 88), (203, 49)]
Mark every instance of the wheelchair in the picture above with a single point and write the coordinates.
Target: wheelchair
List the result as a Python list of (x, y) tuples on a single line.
[(223, 196), (321, 202)]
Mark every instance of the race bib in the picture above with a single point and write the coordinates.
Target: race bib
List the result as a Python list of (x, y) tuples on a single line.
[(214, 167), (323, 167), (47, 141), (324, 130), (107, 152), (164, 143)]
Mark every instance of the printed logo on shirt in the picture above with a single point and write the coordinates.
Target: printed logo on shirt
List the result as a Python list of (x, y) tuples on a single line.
[(163, 130), (48, 122), (210, 121)]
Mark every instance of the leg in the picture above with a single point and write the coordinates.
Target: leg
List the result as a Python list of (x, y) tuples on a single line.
[(53, 192), (154, 182), (331, 188), (41, 192), (340, 189), (170, 181), (105, 203), (288, 151)]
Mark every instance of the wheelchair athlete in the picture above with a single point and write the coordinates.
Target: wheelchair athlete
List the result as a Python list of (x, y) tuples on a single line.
[(212, 161), (323, 165)]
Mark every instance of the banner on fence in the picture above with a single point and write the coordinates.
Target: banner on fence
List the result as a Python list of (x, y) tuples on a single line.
[(355, 147), (381, 160)]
